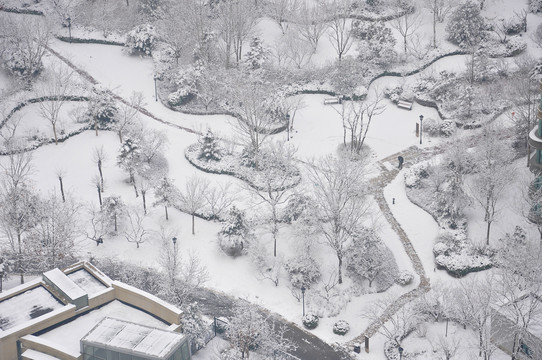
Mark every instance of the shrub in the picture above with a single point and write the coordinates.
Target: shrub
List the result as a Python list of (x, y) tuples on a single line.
[(535, 6), (179, 97), (447, 128), (141, 39), (310, 321), (431, 126), (302, 270), (234, 234), (414, 174), (466, 25), (101, 107), (341, 327), (404, 278), (209, 147)]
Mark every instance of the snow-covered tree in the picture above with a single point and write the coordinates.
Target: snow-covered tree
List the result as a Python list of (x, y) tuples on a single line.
[(256, 57), (368, 258), (376, 42), (136, 231), (407, 25), (209, 147), (218, 199), (114, 209), (130, 160), (54, 92), (52, 241), (466, 25), (192, 198), (141, 39), (340, 31), (494, 173), (339, 197), (311, 22), (439, 9), (282, 12), (235, 235), (166, 194), (303, 271), (127, 113), (101, 108)]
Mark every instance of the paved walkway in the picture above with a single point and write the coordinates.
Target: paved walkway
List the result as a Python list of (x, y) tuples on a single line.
[(379, 183)]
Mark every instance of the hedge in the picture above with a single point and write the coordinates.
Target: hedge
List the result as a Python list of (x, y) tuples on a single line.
[(76, 40)]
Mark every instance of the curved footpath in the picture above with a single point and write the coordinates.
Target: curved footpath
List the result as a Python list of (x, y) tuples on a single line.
[(379, 184)]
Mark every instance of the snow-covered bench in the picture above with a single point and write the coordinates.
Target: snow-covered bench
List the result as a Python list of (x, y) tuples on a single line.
[(333, 100), (405, 104)]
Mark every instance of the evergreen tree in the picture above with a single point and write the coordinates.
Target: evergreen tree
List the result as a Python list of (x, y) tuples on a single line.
[(466, 26), (257, 55), (210, 149)]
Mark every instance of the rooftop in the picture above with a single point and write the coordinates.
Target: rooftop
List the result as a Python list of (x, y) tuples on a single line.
[(86, 281), (69, 333), (26, 306), (132, 338)]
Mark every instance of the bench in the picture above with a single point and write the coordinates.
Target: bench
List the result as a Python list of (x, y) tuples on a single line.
[(333, 100), (405, 104)]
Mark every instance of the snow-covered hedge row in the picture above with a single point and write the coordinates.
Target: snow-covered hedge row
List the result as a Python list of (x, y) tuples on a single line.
[(230, 164), (78, 40)]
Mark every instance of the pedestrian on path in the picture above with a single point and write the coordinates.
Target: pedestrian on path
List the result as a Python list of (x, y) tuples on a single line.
[(401, 160)]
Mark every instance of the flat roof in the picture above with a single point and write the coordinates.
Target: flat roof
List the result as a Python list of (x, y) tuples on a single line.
[(26, 306), (65, 284), (86, 281), (132, 338), (70, 333)]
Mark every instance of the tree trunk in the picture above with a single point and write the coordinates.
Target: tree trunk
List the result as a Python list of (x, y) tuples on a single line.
[(132, 180), (96, 126), (101, 174), (120, 136), (144, 202), (20, 257), (340, 268), (193, 223), (434, 26), (167, 217), (99, 195), (54, 132), (488, 228), (61, 189), (115, 218)]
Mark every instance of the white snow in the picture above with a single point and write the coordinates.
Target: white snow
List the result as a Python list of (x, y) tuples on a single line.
[(86, 281), (21, 308), (70, 333), (65, 284)]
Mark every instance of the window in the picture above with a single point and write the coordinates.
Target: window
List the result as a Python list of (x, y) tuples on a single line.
[(88, 350), (526, 350), (185, 351), (99, 354), (125, 356), (112, 355)]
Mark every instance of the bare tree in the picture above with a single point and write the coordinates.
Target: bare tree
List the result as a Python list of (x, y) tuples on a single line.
[(98, 224), (192, 199), (407, 25), (236, 20), (52, 240), (60, 174), (312, 22), (99, 157), (339, 197), (282, 11), (495, 172), (166, 194), (297, 50), (218, 199), (340, 28), (55, 95), (439, 9), (127, 113), (276, 170), (136, 231), (18, 213), (169, 255)]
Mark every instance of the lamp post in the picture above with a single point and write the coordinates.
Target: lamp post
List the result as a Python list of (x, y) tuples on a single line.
[(288, 127), (174, 260), (400, 353), (155, 92), (421, 128), (69, 20), (303, 294)]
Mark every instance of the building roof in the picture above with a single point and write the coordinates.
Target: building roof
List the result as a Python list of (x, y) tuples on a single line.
[(65, 284), (86, 281), (132, 338)]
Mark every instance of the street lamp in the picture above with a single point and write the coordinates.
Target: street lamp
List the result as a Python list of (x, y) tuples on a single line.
[(155, 92), (174, 241), (421, 128), (69, 20), (288, 126), (303, 294), (400, 353)]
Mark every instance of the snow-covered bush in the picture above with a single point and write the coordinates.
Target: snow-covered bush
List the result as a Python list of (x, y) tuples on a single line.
[(141, 39), (209, 147), (511, 47), (431, 126), (302, 270), (535, 6), (18, 63), (404, 278), (310, 321), (102, 107), (447, 128), (394, 93), (231, 354), (186, 81), (341, 327), (296, 206), (415, 174), (234, 234)]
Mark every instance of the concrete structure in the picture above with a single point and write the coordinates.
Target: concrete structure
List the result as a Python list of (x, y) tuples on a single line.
[(535, 165), (503, 325), (43, 319)]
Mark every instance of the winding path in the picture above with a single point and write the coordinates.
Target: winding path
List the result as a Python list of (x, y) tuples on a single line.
[(379, 184)]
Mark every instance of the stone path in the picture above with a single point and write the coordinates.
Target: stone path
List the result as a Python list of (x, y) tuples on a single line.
[(412, 155)]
